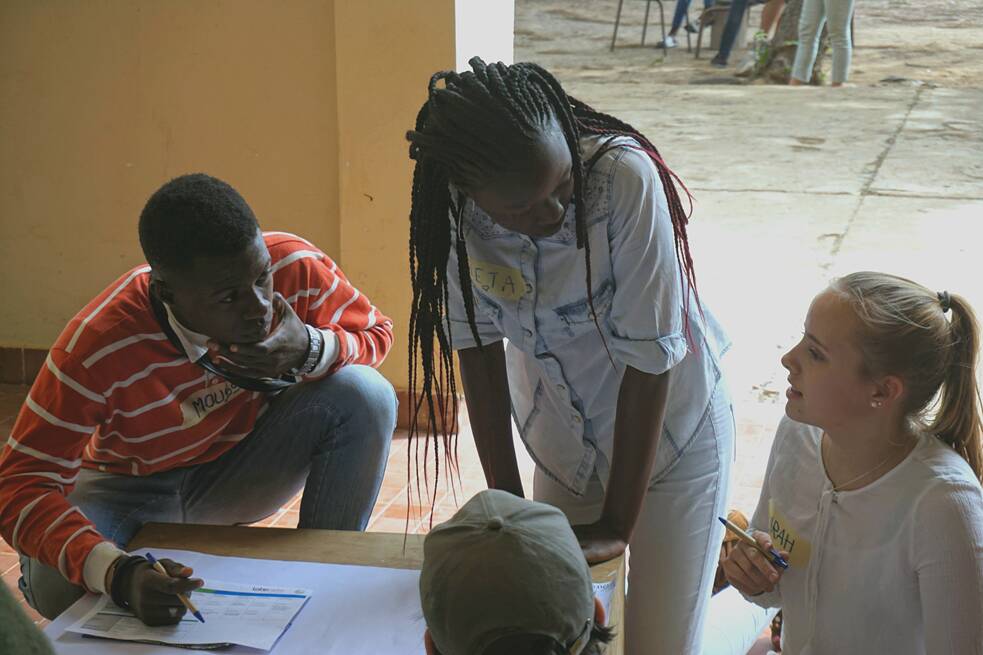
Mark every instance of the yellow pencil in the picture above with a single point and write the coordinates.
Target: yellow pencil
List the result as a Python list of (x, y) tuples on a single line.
[(181, 597)]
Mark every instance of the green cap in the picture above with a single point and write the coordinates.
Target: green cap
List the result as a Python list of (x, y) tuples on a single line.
[(505, 565)]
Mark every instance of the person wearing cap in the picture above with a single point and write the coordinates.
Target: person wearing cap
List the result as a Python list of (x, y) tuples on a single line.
[(507, 576), (18, 635)]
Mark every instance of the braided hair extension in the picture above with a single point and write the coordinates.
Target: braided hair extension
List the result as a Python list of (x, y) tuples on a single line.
[(466, 132)]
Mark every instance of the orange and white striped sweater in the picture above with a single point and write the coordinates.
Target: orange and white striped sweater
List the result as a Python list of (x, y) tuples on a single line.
[(116, 395)]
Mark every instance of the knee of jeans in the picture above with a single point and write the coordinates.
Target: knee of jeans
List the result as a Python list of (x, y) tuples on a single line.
[(45, 589), (368, 397), (808, 37), (807, 29)]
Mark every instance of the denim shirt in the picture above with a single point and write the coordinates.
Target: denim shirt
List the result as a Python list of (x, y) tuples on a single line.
[(532, 292)]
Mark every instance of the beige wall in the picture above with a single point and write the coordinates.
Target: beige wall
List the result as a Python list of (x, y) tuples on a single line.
[(103, 101), (384, 62), (302, 105), (387, 51)]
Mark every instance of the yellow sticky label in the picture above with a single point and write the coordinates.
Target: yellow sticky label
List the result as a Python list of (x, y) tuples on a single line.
[(499, 281), (784, 537)]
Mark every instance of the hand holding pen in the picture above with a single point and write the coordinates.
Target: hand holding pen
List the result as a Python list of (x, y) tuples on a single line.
[(152, 589), (181, 596), (754, 566)]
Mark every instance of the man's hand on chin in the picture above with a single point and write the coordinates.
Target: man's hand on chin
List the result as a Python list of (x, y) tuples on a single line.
[(282, 351)]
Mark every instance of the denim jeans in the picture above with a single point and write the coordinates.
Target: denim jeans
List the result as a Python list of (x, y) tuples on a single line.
[(734, 17), (329, 437), (682, 6), (815, 13), (674, 550)]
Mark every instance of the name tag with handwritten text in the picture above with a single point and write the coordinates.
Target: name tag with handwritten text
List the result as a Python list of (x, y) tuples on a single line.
[(201, 403), (784, 537), (499, 281)]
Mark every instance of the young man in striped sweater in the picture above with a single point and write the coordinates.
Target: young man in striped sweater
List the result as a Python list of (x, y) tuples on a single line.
[(207, 387)]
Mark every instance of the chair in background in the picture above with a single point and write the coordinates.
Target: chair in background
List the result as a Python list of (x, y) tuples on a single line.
[(645, 24)]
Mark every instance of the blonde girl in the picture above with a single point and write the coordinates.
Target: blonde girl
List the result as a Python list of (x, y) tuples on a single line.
[(872, 489)]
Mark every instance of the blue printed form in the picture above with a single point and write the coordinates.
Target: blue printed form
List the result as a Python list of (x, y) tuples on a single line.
[(247, 615), (351, 610)]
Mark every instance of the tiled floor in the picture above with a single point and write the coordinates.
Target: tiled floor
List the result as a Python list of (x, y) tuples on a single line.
[(394, 511)]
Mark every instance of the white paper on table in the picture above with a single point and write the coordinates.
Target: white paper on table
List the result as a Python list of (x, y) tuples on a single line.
[(605, 592), (247, 615), (353, 610)]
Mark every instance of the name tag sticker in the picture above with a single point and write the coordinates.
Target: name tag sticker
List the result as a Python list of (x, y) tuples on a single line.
[(201, 403), (784, 537), (499, 281)]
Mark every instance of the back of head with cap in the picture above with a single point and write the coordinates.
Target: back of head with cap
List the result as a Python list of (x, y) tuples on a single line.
[(507, 575)]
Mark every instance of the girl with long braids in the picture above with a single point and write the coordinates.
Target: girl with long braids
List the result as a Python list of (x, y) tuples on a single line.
[(538, 220)]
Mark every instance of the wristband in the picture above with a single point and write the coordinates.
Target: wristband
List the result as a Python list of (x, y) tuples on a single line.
[(107, 580), (122, 573), (315, 346)]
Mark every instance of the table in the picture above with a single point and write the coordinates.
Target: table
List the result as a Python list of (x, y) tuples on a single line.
[(383, 549)]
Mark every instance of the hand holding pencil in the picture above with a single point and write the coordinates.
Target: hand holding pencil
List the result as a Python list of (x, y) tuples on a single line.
[(156, 591), (754, 566), (181, 597)]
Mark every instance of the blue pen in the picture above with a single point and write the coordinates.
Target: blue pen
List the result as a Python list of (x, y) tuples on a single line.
[(771, 553), (184, 599)]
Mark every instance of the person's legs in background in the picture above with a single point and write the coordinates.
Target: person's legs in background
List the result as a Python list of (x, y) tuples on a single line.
[(678, 18), (734, 17), (761, 41), (770, 14), (811, 22), (839, 13)]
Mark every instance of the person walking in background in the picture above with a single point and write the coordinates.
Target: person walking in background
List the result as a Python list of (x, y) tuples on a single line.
[(837, 14)]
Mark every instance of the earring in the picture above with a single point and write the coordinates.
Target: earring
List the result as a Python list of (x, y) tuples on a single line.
[(876, 403)]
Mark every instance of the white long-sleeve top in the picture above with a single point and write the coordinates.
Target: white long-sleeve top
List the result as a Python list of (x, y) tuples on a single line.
[(895, 567)]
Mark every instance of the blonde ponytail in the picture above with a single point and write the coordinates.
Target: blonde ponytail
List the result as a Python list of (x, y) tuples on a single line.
[(958, 419)]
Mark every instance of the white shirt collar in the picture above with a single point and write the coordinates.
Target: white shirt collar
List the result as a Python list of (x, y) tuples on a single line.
[(195, 345)]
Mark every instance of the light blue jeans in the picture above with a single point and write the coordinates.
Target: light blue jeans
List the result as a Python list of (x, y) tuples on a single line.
[(814, 14), (674, 551), (329, 437)]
